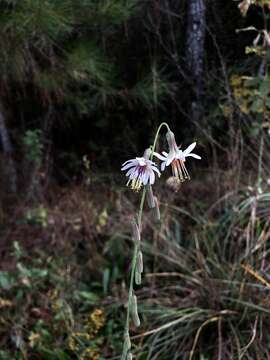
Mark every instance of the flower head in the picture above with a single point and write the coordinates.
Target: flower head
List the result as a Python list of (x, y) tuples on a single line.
[(176, 157), (141, 171)]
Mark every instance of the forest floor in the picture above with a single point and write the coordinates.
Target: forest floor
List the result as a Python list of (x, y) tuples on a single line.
[(65, 261)]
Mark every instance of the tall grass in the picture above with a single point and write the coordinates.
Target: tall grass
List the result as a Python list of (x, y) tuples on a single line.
[(208, 284)]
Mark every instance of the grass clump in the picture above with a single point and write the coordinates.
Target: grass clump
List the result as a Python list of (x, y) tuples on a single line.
[(208, 297)]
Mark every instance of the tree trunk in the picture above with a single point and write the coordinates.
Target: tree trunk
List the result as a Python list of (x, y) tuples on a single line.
[(8, 150), (195, 51)]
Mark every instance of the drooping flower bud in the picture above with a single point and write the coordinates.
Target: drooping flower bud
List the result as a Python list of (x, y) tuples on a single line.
[(150, 196), (139, 262), (139, 268), (138, 278), (136, 235), (134, 311)]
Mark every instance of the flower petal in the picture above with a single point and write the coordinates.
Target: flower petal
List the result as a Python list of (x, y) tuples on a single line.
[(127, 166), (159, 156), (128, 161), (152, 177), (194, 156), (151, 163), (145, 178), (156, 170), (189, 149), (170, 158), (163, 165), (132, 172)]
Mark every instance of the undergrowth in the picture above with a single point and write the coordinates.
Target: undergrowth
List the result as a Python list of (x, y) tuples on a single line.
[(205, 293)]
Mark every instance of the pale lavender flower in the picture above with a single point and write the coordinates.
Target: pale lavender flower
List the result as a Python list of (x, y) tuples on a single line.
[(176, 157), (140, 171)]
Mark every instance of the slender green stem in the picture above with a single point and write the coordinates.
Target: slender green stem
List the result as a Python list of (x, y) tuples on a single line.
[(156, 137), (134, 258), (136, 245)]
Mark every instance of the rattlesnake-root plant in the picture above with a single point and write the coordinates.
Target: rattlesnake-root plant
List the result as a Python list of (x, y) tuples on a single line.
[(141, 173)]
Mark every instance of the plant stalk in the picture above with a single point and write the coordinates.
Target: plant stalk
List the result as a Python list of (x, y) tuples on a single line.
[(137, 245)]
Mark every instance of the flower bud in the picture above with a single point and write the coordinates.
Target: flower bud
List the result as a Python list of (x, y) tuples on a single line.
[(138, 278), (139, 262), (156, 209), (150, 197), (134, 311), (126, 347), (136, 236)]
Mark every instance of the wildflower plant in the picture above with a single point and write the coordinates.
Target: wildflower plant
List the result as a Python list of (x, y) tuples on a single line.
[(141, 173)]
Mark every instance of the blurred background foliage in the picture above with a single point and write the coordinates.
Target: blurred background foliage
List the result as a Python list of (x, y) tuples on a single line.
[(83, 86)]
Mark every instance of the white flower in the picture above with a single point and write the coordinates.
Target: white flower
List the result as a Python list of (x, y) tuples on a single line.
[(176, 157), (141, 171)]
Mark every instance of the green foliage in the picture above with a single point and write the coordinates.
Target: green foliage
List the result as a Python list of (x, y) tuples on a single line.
[(65, 61), (152, 89), (88, 64), (38, 217), (37, 311), (55, 45), (116, 12), (251, 96), (34, 147), (30, 30)]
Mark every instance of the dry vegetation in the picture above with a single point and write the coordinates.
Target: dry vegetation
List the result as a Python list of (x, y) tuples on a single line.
[(205, 289)]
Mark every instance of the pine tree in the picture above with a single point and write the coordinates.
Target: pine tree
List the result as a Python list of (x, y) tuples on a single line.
[(65, 54)]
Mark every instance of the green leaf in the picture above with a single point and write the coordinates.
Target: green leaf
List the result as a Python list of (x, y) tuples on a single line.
[(106, 280), (91, 297), (265, 87), (253, 82), (57, 354), (257, 105)]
